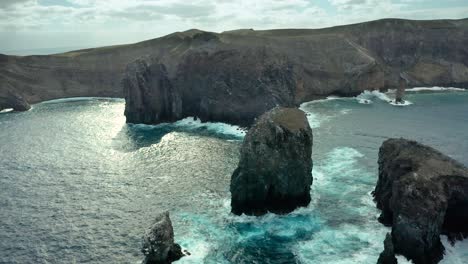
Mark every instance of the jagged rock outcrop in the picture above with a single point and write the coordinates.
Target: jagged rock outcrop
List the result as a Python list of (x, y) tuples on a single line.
[(422, 194), (231, 86), (342, 60), (158, 242), (400, 92), (12, 100), (275, 168), (388, 255), (149, 94)]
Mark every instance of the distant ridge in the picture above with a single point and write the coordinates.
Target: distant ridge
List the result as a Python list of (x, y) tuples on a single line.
[(340, 60)]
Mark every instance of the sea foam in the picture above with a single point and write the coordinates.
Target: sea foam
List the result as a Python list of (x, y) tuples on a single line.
[(190, 124), (316, 118), (366, 97), (336, 193), (6, 110), (435, 89), (78, 99), (216, 127)]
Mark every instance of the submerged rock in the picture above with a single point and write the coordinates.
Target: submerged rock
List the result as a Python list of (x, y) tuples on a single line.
[(422, 194), (275, 168), (158, 242)]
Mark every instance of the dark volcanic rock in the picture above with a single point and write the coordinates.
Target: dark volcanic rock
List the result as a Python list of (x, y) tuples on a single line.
[(150, 97), (342, 60), (158, 242), (422, 194), (388, 255), (230, 86), (275, 168), (15, 101), (400, 92)]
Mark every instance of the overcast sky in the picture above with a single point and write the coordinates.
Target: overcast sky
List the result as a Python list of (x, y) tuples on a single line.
[(37, 24)]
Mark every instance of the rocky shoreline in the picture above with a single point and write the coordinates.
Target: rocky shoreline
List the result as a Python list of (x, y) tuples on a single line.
[(219, 76)]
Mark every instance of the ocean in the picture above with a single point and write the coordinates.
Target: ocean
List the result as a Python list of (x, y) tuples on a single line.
[(78, 185)]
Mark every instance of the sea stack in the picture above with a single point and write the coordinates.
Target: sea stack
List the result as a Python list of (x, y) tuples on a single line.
[(275, 168), (158, 242), (402, 85), (422, 194)]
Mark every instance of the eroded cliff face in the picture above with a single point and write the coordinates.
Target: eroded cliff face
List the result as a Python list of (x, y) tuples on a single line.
[(232, 86), (422, 194), (342, 60), (149, 94)]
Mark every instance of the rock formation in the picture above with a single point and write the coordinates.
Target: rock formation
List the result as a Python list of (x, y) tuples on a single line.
[(158, 242), (150, 97), (275, 168), (422, 194), (400, 92), (232, 86), (388, 255), (233, 66)]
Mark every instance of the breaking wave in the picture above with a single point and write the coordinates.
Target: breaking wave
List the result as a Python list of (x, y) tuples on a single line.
[(190, 124), (6, 110), (367, 97), (79, 99), (435, 89)]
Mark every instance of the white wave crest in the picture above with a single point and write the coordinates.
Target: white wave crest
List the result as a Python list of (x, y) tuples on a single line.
[(435, 89), (192, 124), (404, 103), (77, 99), (217, 127), (368, 95), (6, 110), (365, 101), (316, 118)]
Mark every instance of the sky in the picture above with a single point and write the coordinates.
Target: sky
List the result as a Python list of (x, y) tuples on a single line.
[(45, 24)]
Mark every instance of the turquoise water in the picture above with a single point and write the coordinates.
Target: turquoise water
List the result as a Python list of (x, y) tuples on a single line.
[(78, 185)]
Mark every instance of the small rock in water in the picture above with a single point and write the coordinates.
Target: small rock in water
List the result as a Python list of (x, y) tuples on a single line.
[(158, 242)]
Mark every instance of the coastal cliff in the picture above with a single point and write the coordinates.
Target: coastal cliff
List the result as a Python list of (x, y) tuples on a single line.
[(235, 67)]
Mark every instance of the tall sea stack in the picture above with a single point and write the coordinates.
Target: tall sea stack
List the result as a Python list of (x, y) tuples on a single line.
[(402, 85), (275, 168)]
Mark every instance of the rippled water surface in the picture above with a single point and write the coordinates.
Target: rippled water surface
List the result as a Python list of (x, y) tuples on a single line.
[(78, 185)]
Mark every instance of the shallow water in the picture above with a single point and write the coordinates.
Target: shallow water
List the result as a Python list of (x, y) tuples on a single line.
[(78, 185)]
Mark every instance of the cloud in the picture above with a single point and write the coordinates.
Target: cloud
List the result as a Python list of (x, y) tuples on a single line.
[(362, 5), (4, 4), (97, 22)]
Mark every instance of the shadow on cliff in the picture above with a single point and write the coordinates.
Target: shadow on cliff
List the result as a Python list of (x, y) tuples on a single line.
[(135, 136)]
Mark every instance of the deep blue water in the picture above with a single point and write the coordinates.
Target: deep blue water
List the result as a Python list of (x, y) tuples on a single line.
[(78, 185)]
